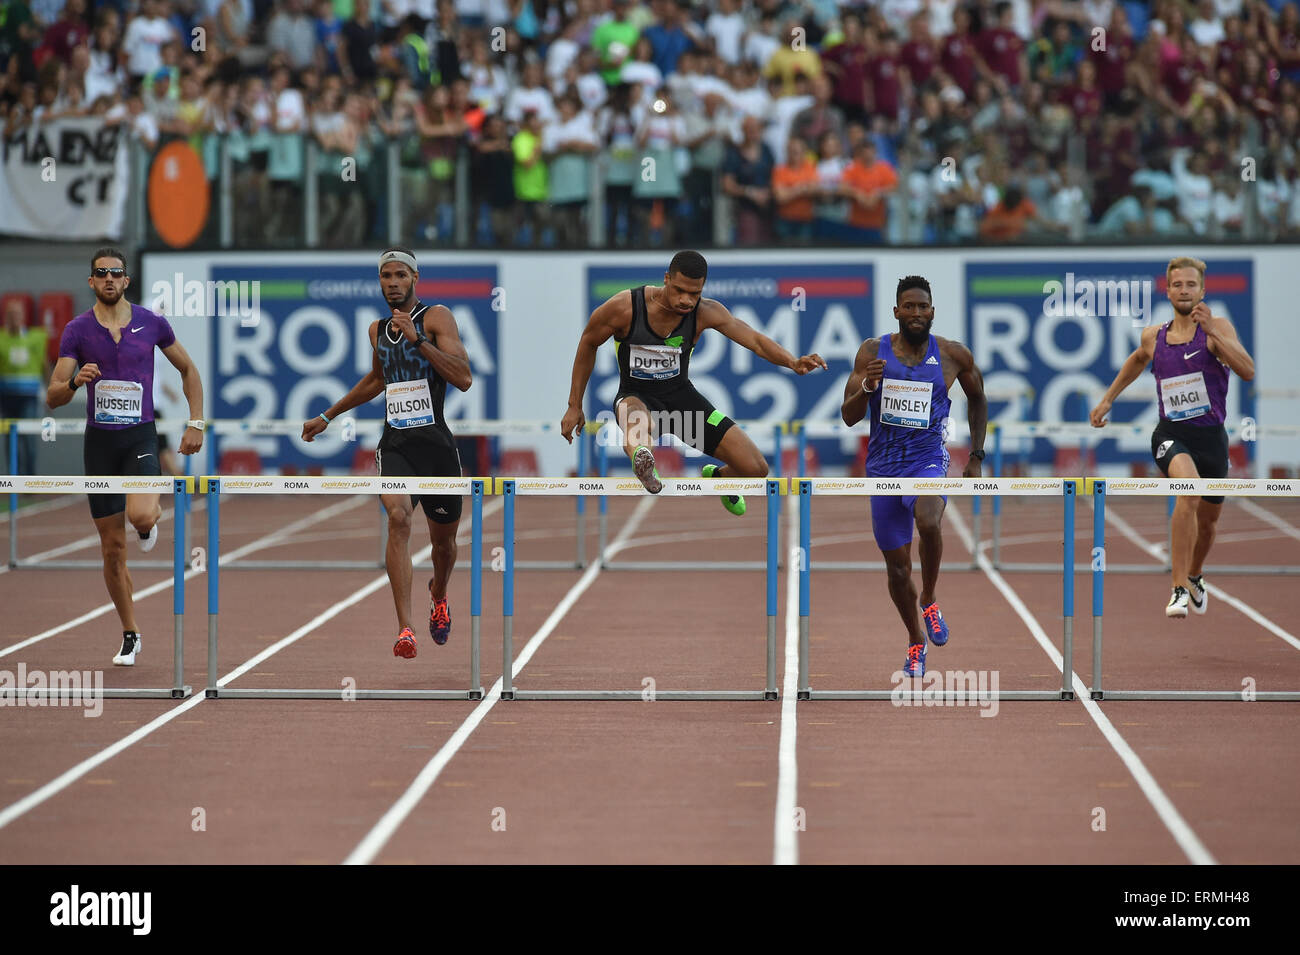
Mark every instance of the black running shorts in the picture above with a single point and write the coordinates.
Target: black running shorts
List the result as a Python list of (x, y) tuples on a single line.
[(1207, 447), (684, 413), (417, 457), (119, 452)]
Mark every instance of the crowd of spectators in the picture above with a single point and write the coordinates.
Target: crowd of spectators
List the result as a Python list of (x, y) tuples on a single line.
[(912, 121)]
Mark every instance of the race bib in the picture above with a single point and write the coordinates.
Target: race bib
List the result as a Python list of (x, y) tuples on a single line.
[(1185, 396), (118, 402), (905, 404), (408, 404), (655, 362)]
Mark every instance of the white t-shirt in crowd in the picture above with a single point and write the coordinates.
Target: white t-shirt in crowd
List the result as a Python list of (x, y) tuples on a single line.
[(581, 128), (521, 99), (290, 111), (143, 44), (727, 30), (559, 55), (759, 47)]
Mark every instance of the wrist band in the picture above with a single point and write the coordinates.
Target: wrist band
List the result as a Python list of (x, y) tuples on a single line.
[(72, 384), (865, 389), (323, 415)]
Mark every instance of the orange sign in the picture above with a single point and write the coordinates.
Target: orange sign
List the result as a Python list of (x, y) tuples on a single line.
[(178, 194)]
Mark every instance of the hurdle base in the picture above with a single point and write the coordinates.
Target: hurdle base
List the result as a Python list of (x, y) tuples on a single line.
[(691, 565), (918, 697), (1271, 570), (1264, 696), (114, 693), (549, 565), (875, 565), (678, 695), (336, 694), (25, 562)]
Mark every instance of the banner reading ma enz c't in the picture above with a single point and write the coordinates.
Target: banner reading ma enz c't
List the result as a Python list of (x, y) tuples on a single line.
[(1056, 333), (310, 344), (64, 179)]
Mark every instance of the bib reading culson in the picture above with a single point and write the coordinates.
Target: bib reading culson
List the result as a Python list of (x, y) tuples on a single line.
[(408, 404), (1185, 396), (905, 404), (118, 402), (654, 362)]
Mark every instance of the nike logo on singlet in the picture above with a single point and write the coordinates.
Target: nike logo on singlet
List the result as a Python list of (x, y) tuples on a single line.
[(137, 329), (1192, 355)]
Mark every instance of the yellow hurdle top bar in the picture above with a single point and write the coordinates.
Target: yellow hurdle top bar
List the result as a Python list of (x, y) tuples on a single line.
[(80, 484), (342, 484), (629, 486)]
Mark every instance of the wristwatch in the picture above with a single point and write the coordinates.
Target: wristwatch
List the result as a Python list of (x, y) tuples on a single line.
[(979, 454), (198, 424), (420, 339)]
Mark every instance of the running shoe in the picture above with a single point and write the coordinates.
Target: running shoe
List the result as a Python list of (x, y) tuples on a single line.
[(732, 502), (1199, 599), (1177, 603), (130, 647), (935, 628), (643, 466), (439, 619), (405, 645), (915, 665), (150, 540)]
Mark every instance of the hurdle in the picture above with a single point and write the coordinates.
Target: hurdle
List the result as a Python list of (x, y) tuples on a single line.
[(180, 488), (351, 429), (1148, 487), (1085, 431), (50, 429), (214, 486), (806, 488), (602, 462), (631, 487)]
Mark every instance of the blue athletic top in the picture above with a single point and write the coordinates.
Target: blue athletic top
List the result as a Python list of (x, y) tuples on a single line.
[(908, 410)]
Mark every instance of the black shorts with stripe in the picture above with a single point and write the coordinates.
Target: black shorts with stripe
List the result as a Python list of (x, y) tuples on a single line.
[(1206, 445), (119, 452), (684, 413), (426, 452)]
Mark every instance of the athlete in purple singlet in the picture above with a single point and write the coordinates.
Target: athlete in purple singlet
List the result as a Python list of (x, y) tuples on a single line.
[(903, 381), (113, 342), (1190, 358)]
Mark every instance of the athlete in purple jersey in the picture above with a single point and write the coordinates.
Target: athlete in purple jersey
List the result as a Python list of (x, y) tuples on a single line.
[(1190, 357), (903, 382), (113, 342)]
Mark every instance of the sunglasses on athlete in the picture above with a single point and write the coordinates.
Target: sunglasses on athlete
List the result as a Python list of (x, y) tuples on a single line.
[(101, 273)]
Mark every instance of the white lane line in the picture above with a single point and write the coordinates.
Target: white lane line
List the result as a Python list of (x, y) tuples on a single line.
[(1267, 516), (90, 540), (64, 500), (1187, 840), (1125, 528), (375, 840), (62, 782), (785, 849), (268, 540)]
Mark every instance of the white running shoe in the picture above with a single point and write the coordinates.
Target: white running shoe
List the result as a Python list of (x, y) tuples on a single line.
[(150, 540), (130, 647), (1177, 603), (1200, 598)]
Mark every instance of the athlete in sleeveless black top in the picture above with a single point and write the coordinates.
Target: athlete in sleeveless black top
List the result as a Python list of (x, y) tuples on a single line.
[(655, 329), (417, 353)]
